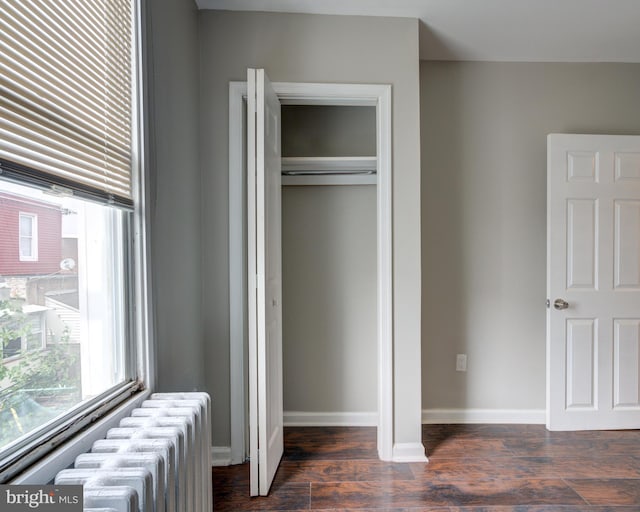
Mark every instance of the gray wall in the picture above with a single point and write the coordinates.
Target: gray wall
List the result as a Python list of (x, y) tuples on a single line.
[(328, 130), (310, 48), (484, 128), (175, 193), (329, 298)]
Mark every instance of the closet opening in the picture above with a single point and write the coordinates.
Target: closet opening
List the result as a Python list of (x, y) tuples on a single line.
[(337, 224), (329, 261)]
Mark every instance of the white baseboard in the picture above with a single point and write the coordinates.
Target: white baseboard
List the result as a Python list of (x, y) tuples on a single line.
[(330, 419), (221, 456), (514, 416), (409, 452)]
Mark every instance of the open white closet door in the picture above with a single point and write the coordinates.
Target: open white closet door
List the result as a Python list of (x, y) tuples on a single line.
[(266, 443)]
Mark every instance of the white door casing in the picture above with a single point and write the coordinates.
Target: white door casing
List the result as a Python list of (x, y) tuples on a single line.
[(315, 94), (593, 265), (265, 281)]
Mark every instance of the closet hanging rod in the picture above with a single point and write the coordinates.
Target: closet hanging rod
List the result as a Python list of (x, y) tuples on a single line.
[(319, 172)]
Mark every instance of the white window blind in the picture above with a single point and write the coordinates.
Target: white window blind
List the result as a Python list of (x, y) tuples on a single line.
[(66, 90)]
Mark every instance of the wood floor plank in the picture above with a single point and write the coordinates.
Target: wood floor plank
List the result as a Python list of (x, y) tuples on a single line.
[(608, 491), (465, 447), (572, 446), (545, 508), (412, 509), (235, 498), (237, 474), (449, 470), (330, 443), (517, 508), (343, 470), (421, 493), (476, 431)]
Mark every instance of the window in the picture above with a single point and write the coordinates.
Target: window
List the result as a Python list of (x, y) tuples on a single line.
[(69, 180), (77, 296), (28, 237)]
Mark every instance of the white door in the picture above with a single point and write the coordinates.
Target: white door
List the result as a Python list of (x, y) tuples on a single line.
[(593, 282), (266, 443)]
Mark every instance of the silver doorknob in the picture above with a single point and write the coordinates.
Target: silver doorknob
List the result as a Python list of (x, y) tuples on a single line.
[(560, 304)]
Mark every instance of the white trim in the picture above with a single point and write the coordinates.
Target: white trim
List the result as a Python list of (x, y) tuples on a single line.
[(143, 160), (329, 180), (328, 163), (385, 275), (409, 452), (330, 419), (319, 94), (297, 93), (513, 416), (221, 456)]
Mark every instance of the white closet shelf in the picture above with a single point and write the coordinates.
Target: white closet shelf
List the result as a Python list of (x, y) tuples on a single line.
[(351, 170), (328, 163)]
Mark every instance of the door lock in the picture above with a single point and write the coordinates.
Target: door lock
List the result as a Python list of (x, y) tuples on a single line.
[(560, 304)]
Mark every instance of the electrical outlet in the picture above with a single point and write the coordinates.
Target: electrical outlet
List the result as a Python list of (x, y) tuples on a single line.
[(461, 362)]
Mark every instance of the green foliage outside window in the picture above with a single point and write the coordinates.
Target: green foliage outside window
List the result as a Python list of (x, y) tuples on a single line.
[(37, 384)]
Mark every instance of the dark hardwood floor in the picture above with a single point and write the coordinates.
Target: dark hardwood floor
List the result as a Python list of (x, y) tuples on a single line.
[(472, 468)]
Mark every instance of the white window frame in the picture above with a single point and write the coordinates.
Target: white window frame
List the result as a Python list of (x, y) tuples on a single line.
[(19, 460), (34, 236)]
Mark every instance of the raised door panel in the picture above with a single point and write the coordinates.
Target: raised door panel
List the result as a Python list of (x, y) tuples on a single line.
[(581, 368), (626, 357), (627, 166), (582, 243), (627, 244)]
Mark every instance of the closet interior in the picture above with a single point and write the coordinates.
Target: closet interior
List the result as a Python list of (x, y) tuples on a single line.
[(329, 259)]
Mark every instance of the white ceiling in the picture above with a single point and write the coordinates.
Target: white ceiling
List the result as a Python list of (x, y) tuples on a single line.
[(493, 30)]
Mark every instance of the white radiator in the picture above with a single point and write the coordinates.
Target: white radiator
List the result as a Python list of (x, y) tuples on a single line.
[(157, 460)]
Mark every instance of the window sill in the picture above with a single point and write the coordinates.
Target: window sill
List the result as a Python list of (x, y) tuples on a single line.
[(45, 470)]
